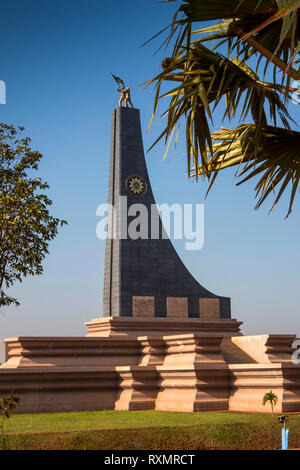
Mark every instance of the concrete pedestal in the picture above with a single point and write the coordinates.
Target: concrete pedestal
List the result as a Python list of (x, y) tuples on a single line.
[(184, 372), (111, 326)]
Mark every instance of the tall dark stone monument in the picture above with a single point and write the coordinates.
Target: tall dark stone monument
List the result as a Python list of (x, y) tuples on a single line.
[(146, 277)]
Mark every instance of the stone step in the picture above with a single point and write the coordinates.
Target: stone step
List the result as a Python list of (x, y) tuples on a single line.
[(233, 354)]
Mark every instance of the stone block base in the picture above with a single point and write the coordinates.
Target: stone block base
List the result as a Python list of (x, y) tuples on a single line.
[(202, 388), (183, 372), (63, 389), (110, 326), (250, 382), (171, 373)]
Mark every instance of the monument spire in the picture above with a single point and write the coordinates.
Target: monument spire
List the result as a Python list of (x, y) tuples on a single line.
[(145, 277)]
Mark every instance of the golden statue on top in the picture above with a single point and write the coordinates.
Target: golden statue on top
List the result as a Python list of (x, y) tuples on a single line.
[(125, 92)]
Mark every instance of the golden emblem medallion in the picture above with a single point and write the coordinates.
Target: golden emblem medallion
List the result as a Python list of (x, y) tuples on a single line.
[(136, 185)]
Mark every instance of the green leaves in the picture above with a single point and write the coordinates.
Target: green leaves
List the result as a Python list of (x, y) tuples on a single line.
[(26, 226), (7, 405)]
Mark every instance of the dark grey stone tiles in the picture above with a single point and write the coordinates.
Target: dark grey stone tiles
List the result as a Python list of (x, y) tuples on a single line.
[(142, 267)]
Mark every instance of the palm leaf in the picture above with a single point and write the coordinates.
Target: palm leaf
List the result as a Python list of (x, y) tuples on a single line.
[(277, 161), (202, 79), (272, 24)]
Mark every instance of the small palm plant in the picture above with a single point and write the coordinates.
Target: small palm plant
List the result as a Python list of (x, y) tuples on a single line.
[(272, 398), (6, 407)]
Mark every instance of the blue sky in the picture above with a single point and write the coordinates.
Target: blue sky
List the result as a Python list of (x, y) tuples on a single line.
[(56, 59)]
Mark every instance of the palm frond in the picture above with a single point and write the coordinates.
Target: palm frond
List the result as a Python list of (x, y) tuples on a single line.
[(271, 397), (202, 78), (272, 24), (276, 162), (200, 10)]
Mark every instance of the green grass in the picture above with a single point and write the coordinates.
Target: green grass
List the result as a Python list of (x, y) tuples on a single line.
[(74, 421), (147, 430)]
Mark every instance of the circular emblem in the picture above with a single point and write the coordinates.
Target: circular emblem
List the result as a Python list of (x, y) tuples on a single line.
[(136, 185)]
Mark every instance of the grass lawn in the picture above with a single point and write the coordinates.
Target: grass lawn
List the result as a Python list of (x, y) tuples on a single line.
[(147, 430), (75, 421)]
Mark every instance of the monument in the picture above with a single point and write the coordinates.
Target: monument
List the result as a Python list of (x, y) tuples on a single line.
[(144, 278), (165, 342)]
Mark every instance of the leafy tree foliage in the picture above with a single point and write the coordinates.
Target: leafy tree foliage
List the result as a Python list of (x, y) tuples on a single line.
[(7, 405), (26, 226)]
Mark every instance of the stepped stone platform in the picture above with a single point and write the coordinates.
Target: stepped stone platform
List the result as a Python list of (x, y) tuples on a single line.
[(183, 372), (108, 326)]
